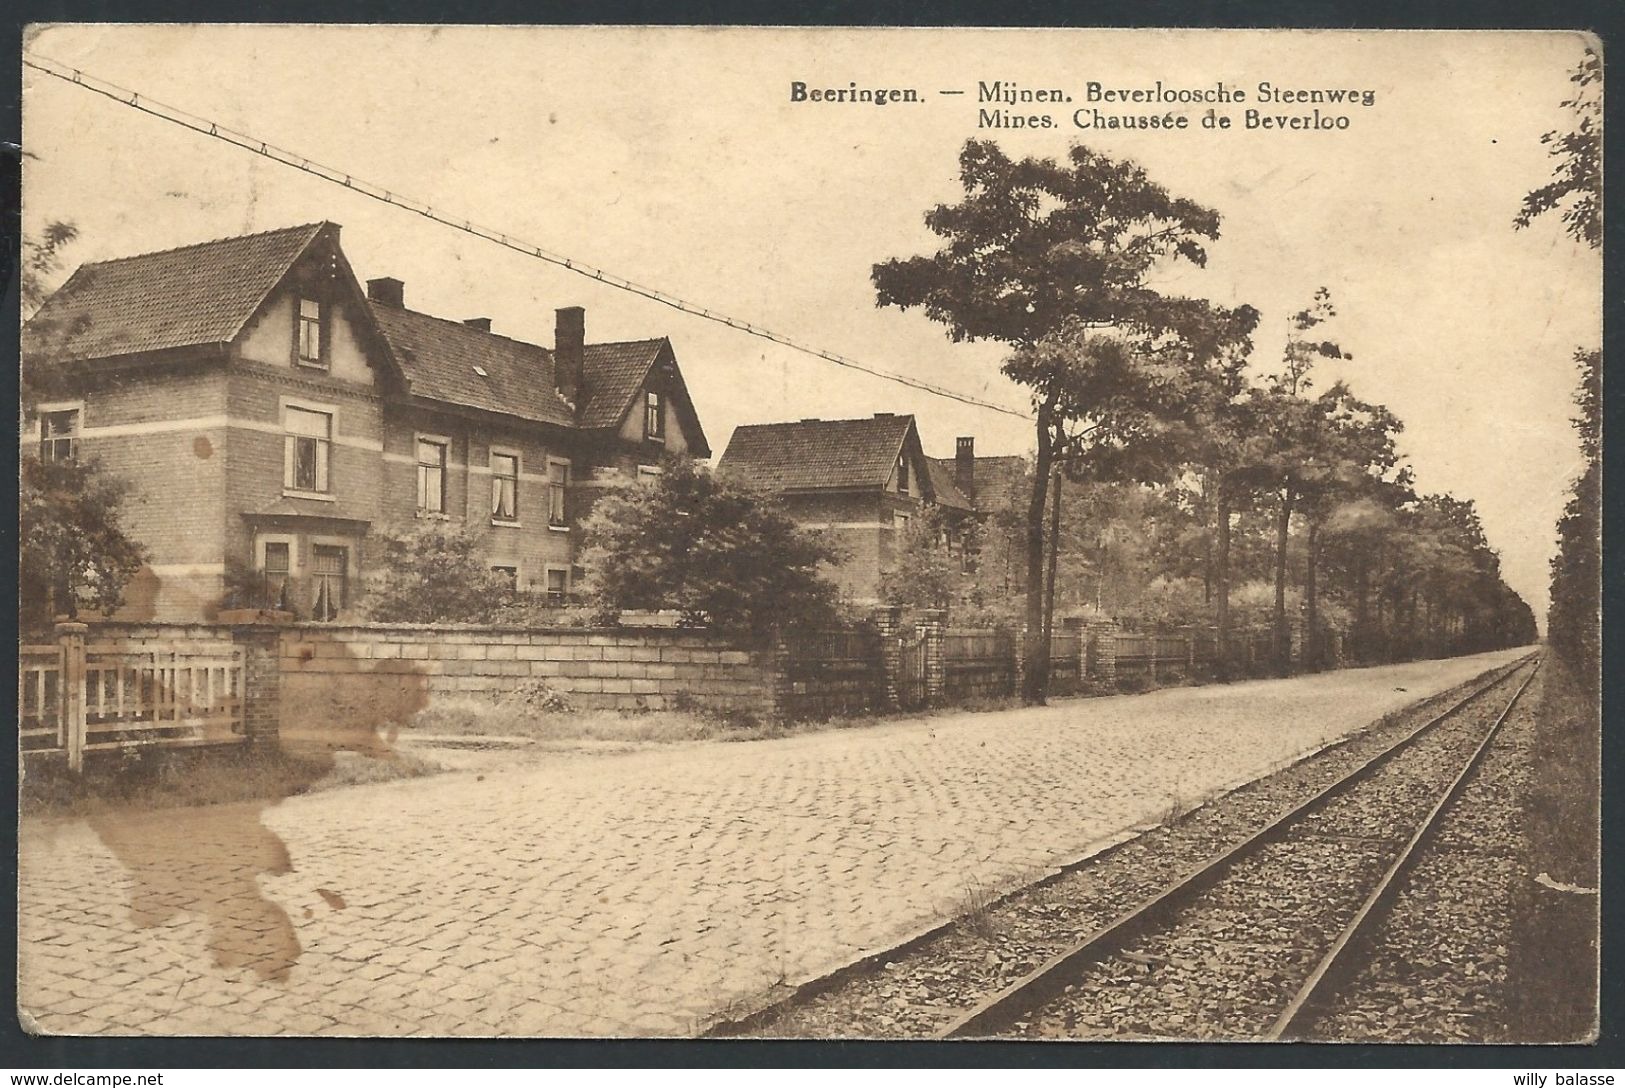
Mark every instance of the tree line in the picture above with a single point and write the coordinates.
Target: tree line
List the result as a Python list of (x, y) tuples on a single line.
[(1131, 385)]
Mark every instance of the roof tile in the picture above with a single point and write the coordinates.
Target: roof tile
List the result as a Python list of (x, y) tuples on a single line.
[(197, 294), (816, 453)]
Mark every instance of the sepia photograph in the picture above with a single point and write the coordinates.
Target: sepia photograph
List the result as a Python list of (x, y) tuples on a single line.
[(625, 532)]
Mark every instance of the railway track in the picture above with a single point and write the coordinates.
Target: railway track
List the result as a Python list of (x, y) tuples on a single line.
[(1254, 943), (1215, 942)]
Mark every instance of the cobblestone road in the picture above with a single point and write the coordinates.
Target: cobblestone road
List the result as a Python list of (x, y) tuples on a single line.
[(630, 894)]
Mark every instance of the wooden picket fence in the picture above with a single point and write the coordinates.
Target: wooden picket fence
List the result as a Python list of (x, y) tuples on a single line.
[(75, 697)]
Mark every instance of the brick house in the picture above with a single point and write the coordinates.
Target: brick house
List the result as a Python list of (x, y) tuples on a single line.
[(859, 480), (997, 488), (270, 414)]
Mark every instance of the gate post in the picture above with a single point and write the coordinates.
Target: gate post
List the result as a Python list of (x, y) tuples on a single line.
[(931, 633), (262, 680), (1074, 627), (1018, 668), (71, 636), (1151, 640), (886, 617)]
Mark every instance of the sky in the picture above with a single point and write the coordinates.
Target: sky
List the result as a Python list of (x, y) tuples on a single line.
[(676, 157)]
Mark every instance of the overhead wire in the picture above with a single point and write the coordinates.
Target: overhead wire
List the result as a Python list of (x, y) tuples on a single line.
[(135, 100)]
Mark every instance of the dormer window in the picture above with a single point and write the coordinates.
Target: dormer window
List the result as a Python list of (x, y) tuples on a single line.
[(654, 416), (312, 315), (902, 474)]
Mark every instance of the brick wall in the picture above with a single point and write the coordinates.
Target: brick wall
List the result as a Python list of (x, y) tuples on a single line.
[(532, 546), (176, 473)]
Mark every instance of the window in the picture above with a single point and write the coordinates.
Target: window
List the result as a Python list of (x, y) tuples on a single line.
[(59, 435), (504, 487), (278, 565), (899, 522), (648, 473), (902, 474), (310, 332), (558, 480), (509, 576), (558, 585), (329, 569), (654, 417), (431, 476), (305, 455)]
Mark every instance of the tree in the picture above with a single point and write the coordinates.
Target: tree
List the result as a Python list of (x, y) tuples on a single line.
[(71, 551), (1572, 622), (432, 572), (924, 571), (1037, 254), (1289, 435), (1576, 185), (40, 375), (723, 555)]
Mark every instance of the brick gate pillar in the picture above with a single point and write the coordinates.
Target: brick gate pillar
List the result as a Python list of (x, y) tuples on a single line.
[(262, 680), (780, 689), (886, 619), (932, 624), (1103, 652)]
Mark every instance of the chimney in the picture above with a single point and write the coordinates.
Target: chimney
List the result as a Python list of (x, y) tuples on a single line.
[(884, 415), (569, 351), (388, 290), (965, 465), (481, 323)]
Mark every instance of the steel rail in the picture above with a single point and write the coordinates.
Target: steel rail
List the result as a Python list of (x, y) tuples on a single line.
[(1334, 965), (1050, 978)]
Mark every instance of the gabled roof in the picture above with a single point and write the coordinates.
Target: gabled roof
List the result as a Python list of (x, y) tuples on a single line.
[(194, 295), (1000, 481), (613, 374), (942, 482), (817, 453), (439, 358)]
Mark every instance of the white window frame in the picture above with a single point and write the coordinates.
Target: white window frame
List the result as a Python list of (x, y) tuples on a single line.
[(55, 408), (290, 539), (655, 400), (649, 472), (332, 413), (319, 360), (444, 442), (561, 526), (903, 475), (491, 454)]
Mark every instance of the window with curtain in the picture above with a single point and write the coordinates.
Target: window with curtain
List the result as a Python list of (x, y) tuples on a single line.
[(504, 487)]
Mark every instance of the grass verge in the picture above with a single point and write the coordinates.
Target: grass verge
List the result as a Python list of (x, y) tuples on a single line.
[(149, 778), (1554, 968)]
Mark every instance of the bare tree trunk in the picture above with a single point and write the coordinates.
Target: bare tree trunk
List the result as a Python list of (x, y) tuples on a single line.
[(1035, 678), (1311, 606), (1221, 573), (1280, 637), (1054, 559)]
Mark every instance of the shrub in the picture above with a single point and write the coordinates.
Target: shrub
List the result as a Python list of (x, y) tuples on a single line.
[(432, 572)]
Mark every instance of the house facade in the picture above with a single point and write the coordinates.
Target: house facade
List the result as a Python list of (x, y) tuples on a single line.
[(272, 415), (861, 481)]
